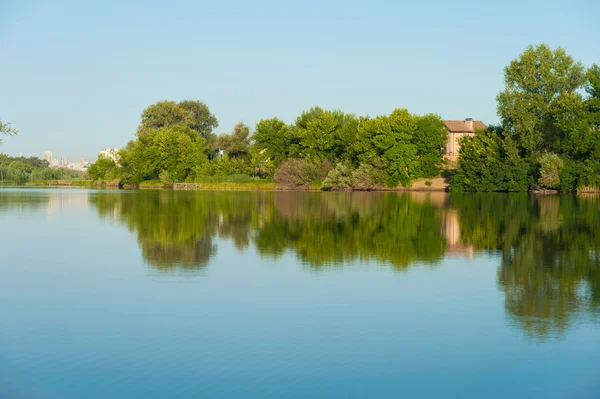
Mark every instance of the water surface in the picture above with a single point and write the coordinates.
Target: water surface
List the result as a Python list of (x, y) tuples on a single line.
[(286, 294)]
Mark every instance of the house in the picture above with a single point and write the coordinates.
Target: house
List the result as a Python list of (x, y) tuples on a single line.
[(457, 130)]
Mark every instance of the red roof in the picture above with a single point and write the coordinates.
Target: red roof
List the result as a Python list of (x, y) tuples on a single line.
[(461, 126)]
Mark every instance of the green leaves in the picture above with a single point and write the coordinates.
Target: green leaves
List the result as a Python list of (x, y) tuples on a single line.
[(236, 144), (178, 151), (323, 134), (538, 84), (405, 146), (271, 140), (165, 114)]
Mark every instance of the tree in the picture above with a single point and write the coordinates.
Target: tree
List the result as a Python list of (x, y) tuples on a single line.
[(404, 146), (103, 169), (323, 134), (179, 151), (236, 144), (202, 120), (430, 138), (539, 84), (273, 137), (165, 114), (5, 128), (593, 100), (551, 166), (489, 163)]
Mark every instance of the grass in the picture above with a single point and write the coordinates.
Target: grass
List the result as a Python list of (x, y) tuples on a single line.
[(588, 189), (231, 179), (247, 186), (62, 183), (151, 184)]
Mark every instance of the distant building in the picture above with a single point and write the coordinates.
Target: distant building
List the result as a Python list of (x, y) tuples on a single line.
[(75, 166), (64, 161), (48, 157), (54, 163), (108, 153), (82, 160), (457, 130)]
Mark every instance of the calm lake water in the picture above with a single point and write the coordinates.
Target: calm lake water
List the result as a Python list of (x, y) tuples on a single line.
[(123, 294)]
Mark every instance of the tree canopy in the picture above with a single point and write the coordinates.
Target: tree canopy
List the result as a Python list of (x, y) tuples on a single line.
[(549, 137), (165, 114)]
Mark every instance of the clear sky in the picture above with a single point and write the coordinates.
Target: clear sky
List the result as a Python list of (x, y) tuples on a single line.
[(76, 75)]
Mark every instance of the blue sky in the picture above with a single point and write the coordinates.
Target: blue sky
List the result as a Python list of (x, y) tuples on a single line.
[(76, 75)]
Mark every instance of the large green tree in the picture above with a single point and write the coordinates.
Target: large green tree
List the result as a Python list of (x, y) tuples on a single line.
[(540, 86), (271, 138), (165, 114), (103, 169), (236, 144), (178, 152), (324, 134), (593, 100), (404, 146)]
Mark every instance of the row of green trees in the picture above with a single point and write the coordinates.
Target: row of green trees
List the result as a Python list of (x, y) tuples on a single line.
[(20, 170), (175, 143), (549, 137)]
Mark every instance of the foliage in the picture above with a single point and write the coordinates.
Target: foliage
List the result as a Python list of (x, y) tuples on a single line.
[(5, 128), (300, 173), (103, 169), (227, 166), (236, 144), (339, 178), (179, 151), (540, 85), (366, 177), (165, 179), (405, 146), (549, 135), (271, 139), (580, 175), (323, 134), (551, 166), (166, 114), (593, 102), (21, 170), (487, 163)]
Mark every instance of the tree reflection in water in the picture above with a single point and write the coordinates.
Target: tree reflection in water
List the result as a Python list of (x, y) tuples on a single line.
[(550, 267), (549, 245)]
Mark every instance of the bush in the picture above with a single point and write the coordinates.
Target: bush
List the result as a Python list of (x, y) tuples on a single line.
[(165, 179), (297, 173), (580, 175), (366, 177), (550, 168), (488, 163), (226, 167), (339, 178)]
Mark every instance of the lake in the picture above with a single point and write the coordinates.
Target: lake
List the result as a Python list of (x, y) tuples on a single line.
[(121, 294)]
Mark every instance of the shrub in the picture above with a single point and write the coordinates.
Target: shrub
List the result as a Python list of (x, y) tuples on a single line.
[(550, 168), (165, 179), (339, 178), (366, 177), (297, 173)]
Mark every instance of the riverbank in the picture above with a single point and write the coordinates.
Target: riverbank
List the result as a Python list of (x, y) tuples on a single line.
[(441, 184)]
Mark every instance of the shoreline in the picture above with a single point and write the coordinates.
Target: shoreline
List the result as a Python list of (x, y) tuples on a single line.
[(436, 186)]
